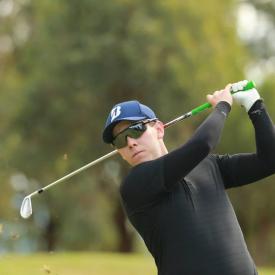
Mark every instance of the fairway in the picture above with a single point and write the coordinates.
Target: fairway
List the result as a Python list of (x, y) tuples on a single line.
[(77, 264), (82, 264)]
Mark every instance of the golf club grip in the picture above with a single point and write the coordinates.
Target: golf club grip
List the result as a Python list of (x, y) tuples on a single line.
[(248, 86)]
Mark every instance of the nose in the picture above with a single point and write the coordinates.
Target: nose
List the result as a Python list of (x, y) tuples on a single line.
[(131, 142)]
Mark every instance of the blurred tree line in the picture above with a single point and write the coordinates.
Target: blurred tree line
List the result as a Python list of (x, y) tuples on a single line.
[(64, 64)]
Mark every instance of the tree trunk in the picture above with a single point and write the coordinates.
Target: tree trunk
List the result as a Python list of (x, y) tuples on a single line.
[(50, 235), (125, 237)]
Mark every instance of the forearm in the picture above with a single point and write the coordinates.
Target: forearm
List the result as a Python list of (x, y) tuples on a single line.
[(181, 161), (264, 133)]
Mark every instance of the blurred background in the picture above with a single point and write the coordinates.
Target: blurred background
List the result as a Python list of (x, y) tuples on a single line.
[(65, 63)]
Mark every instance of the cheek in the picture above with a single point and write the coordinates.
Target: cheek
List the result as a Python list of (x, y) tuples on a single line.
[(155, 135), (151, 140)]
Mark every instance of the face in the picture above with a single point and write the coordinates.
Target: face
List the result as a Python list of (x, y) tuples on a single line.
[(145, 148)]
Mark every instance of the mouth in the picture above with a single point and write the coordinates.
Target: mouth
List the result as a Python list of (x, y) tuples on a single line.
[(137, 153)]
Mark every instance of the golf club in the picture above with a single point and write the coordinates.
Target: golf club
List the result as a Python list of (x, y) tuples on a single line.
[(26, 207)]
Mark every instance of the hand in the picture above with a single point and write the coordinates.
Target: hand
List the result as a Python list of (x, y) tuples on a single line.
[(221, 95), (246, 98)]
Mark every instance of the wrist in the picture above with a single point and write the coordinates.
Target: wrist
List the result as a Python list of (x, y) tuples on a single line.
[(223, 107), (250, 101), (258, 105)]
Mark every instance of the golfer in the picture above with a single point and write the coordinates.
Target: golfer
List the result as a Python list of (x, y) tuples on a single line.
[(177, 200)]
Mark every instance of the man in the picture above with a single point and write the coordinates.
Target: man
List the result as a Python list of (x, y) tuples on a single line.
[(177, 200)]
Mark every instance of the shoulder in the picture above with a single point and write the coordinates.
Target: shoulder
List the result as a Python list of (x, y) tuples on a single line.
[(141, 175)]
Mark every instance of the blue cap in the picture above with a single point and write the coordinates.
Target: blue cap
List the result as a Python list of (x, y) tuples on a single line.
[(128, 110)]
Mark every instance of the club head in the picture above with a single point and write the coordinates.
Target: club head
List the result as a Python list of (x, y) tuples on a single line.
[(26, 207)]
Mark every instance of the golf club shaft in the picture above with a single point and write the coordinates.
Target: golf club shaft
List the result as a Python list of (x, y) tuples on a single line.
[(78, 171), (197, 110)]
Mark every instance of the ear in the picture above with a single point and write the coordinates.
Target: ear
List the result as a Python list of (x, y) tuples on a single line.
[(160, 129)]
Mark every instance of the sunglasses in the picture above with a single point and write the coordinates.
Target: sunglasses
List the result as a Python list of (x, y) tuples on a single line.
[(133, 131)]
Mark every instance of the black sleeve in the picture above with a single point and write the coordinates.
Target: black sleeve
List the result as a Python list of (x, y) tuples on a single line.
[(241, 169), (181, 161)]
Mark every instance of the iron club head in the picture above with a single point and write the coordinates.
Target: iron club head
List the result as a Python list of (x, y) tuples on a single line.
[(26, 207)]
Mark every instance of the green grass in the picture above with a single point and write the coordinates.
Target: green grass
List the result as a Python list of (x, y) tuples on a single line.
[(83, 264)]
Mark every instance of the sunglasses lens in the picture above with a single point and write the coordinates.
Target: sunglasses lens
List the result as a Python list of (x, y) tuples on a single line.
[(133, 131)]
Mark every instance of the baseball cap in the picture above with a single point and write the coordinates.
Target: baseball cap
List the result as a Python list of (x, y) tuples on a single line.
[(128, 110)]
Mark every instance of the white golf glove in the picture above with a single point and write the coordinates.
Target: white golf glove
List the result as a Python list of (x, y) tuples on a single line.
[(246, 98)]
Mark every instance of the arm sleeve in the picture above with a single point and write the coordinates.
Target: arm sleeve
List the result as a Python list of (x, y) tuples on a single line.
[(241, 169), (181, 161)]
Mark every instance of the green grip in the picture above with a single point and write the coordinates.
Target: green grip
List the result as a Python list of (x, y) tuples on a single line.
[(248, 86), (201, 108)]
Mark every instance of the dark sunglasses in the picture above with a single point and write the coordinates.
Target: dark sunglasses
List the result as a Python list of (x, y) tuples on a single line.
[(134, 131)]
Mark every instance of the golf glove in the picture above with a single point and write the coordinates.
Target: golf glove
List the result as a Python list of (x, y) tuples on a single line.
[(246, 98)]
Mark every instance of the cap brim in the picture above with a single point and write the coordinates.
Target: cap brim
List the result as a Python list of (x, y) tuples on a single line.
[(108, 131)]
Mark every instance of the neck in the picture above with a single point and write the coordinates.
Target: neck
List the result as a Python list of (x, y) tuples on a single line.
[(163, 149)]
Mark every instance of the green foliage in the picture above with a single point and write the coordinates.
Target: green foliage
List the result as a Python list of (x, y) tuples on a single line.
[(261, 44)]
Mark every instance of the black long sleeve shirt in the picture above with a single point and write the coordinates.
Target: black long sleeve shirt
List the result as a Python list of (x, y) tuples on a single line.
[(179, 206)]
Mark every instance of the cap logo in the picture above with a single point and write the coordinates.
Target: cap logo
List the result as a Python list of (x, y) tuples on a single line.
[(115, 113)]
